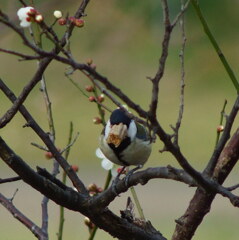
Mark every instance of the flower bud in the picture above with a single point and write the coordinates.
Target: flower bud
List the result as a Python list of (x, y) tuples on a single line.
[(92, 187), (32, 12), (92, 99), (220, 128), (48, 155), (62, 21), (89, 88), (75, 168), (93, 66), (89, 61), (39, 18), (101, 98), (119, 170), (97, 120), (88, 223), (72, 19), (79, 22), (57, 14)]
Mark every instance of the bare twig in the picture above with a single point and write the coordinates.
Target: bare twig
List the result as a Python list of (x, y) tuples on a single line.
[(182, 82), (162, 61), (22, 218), (222, 142), (70, 144), (67, 152), (222, 115), (43, 63), (39, 146), (232, 188), (7, 180), (180, 14), (23, 56), (215, 45), (45, 138)]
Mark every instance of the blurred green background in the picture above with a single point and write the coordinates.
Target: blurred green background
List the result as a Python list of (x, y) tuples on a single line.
[(124, 40)]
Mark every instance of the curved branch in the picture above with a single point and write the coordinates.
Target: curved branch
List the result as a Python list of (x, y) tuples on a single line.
[(167, 34), (102, 217), (68, 198), (201, 202), (22, 218), (46, 139)]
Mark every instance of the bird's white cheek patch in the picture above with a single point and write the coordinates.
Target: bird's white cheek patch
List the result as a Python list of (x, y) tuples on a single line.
[(107, 130), (132, 130)]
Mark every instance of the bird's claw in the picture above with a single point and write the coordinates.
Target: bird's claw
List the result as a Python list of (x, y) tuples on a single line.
[(128, 175)]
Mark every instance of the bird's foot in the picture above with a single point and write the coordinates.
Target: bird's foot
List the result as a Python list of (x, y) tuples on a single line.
[(128, 175)]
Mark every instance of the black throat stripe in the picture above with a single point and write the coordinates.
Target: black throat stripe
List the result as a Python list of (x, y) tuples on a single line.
[(118, 150)]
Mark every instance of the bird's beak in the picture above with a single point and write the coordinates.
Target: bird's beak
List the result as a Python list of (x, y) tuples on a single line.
[(117, 134)]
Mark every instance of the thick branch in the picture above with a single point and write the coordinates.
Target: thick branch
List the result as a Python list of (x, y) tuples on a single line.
[(201, 202), (46, 139), (68, 198), (142, 177), (102, 217), (224, 138)]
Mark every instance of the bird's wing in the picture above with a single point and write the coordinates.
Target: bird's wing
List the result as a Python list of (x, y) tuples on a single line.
[(142, 132)]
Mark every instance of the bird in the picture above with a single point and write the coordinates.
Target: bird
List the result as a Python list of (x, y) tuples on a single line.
[(124, 141)]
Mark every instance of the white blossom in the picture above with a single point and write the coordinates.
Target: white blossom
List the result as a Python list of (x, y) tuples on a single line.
[(57, 14), (105, 163), (23, 15)]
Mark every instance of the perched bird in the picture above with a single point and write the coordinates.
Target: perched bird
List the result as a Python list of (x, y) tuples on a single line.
[(124, 141)]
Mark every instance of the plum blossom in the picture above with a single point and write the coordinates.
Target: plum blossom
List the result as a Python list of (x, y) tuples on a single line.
[(57, 14), (24, 16), (27, 15), (106, 163)]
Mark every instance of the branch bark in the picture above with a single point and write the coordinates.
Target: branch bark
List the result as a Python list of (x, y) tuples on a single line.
[(22, 218), (201, 202)]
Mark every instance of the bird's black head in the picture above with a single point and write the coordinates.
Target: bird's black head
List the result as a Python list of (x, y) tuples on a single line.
[(118, 116)]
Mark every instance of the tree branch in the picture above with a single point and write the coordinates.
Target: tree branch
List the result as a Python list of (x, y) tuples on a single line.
[(162, 60), (46, 139), (102, 217), (22, 218), (201, 201), (7, 180)]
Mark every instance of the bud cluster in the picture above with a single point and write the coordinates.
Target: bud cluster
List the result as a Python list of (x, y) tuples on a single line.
[(94, 189)]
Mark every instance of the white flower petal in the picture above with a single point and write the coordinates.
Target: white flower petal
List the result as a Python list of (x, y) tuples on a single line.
[(25, 24), (57, 14), (22, 12), (99, 153), (106, 164)]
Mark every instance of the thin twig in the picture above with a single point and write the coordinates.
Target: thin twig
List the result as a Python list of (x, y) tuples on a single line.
[(180, 14), (45, 138), (221, 121), (7, 180), (39, 146), (182, 82), (214, 43), (70, 144), (67, 152), (22, 218), (22, 55), (162, 61), (222, 142), (232, 188)]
